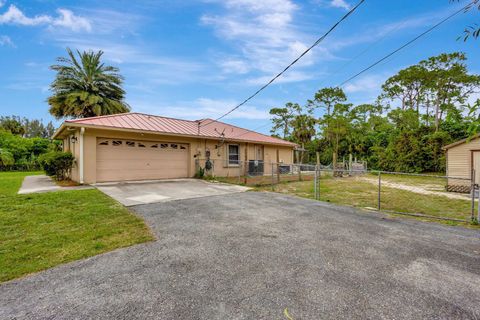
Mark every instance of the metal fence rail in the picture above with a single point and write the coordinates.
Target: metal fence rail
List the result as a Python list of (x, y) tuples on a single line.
[(417, 194), (383, 181)]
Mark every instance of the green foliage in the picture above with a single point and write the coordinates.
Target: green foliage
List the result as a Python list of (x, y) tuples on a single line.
[(27, 128), (471, 31), (43, 230), (200, 173), (281, 120), (57, 164), (421, 109), (12, 124), (86, 87), (6, 158), (19, 153)]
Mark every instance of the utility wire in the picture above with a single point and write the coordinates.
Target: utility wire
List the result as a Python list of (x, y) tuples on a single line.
[(289, 66), (404, 45), (349, 62), (388, 55)]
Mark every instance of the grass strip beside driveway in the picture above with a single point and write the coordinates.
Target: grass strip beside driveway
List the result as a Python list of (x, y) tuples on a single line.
[(359, 193), (39, 231)]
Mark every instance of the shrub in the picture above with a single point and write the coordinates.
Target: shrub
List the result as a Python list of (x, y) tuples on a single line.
[(6, 158), (200, 173), (57, 164)]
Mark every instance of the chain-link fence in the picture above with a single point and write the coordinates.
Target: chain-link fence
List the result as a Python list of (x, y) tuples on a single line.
[(429, 196), (423, 195), (253, 172)]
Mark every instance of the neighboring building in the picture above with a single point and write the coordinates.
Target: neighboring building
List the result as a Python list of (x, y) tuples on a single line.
[(463, 156), (136, 146)]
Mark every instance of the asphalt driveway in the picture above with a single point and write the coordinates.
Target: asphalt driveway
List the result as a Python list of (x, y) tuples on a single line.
[(252, 255)]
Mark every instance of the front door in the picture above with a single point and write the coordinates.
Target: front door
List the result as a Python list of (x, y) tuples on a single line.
[(259, 152)]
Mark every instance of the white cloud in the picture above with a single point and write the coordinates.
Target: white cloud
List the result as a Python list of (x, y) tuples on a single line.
[(14, 16), (293, 76), (201, 108), (6, 41), (381, 31), (113, 22), (2, 3), (340, 4), (263, 32), (69, 20), (232, 65), (66, 19), (143, 68), (365, 84)]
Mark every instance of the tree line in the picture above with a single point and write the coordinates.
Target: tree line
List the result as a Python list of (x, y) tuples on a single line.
[(420, 109), (27, 128), (23, 141)]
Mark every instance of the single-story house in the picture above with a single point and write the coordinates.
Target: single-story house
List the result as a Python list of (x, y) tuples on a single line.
[(462, 157), (137, 146)]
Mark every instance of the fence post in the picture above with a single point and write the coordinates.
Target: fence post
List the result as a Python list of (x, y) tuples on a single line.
[(239, 172), (379, 189), (472, 190), (478, 208), (319, 176), (273, 188), (315, 183)]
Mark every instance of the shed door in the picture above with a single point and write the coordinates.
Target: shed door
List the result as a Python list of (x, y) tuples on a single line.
[(119, 160), (476, 165)]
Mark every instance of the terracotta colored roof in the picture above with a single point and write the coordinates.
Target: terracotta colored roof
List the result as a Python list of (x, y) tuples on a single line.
[(211, 128)]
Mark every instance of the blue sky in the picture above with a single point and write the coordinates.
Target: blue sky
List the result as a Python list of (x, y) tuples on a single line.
[(197, 59)]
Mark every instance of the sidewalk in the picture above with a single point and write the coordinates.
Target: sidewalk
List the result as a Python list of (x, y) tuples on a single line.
[(43, 183)]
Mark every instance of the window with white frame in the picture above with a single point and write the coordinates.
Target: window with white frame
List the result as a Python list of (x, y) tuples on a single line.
[(233, 154)]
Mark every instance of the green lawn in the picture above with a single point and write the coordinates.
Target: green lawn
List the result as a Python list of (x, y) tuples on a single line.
[(363, 194), (39, 231)]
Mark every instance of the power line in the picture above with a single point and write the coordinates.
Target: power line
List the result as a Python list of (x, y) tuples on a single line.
[(388, 55), (366, 49), (404, 45), (290, 65)]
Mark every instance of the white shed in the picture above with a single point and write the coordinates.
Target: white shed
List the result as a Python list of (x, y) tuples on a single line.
[(463, 161)]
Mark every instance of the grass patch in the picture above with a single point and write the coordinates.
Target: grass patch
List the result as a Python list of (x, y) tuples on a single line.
[(363, 194), (39, 231), (10, 182)]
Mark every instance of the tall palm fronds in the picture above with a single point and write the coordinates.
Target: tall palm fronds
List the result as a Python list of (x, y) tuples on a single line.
[(86, 87)]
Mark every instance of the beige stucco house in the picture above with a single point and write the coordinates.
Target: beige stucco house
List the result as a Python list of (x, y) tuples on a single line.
[(137, 146), (463, 161)]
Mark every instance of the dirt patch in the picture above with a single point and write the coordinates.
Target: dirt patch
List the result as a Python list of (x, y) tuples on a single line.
[(427, 189)]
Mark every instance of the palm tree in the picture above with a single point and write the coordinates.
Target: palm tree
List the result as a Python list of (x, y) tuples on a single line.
[(86, 87)]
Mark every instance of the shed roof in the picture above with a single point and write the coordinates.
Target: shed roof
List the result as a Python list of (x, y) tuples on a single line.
[(205, 128), (459, 142)]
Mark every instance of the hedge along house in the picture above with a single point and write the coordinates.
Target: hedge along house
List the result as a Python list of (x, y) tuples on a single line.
[(463, 161), (136, 146)]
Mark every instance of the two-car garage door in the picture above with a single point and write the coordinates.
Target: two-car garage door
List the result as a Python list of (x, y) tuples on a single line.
[(120, 159)]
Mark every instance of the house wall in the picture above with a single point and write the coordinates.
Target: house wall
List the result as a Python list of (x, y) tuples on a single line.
[(74, 148), (460, 163), (197, 152)]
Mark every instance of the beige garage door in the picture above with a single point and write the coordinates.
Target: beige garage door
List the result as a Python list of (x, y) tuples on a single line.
[(119, 159)]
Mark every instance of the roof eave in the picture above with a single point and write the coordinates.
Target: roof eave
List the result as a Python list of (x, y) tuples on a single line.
[(459, 142), (92, 126)]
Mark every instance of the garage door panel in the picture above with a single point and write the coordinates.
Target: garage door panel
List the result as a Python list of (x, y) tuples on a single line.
[(119, 160)]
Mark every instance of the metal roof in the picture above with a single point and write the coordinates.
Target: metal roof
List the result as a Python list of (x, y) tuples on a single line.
[(451, 145), (158, 124)]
